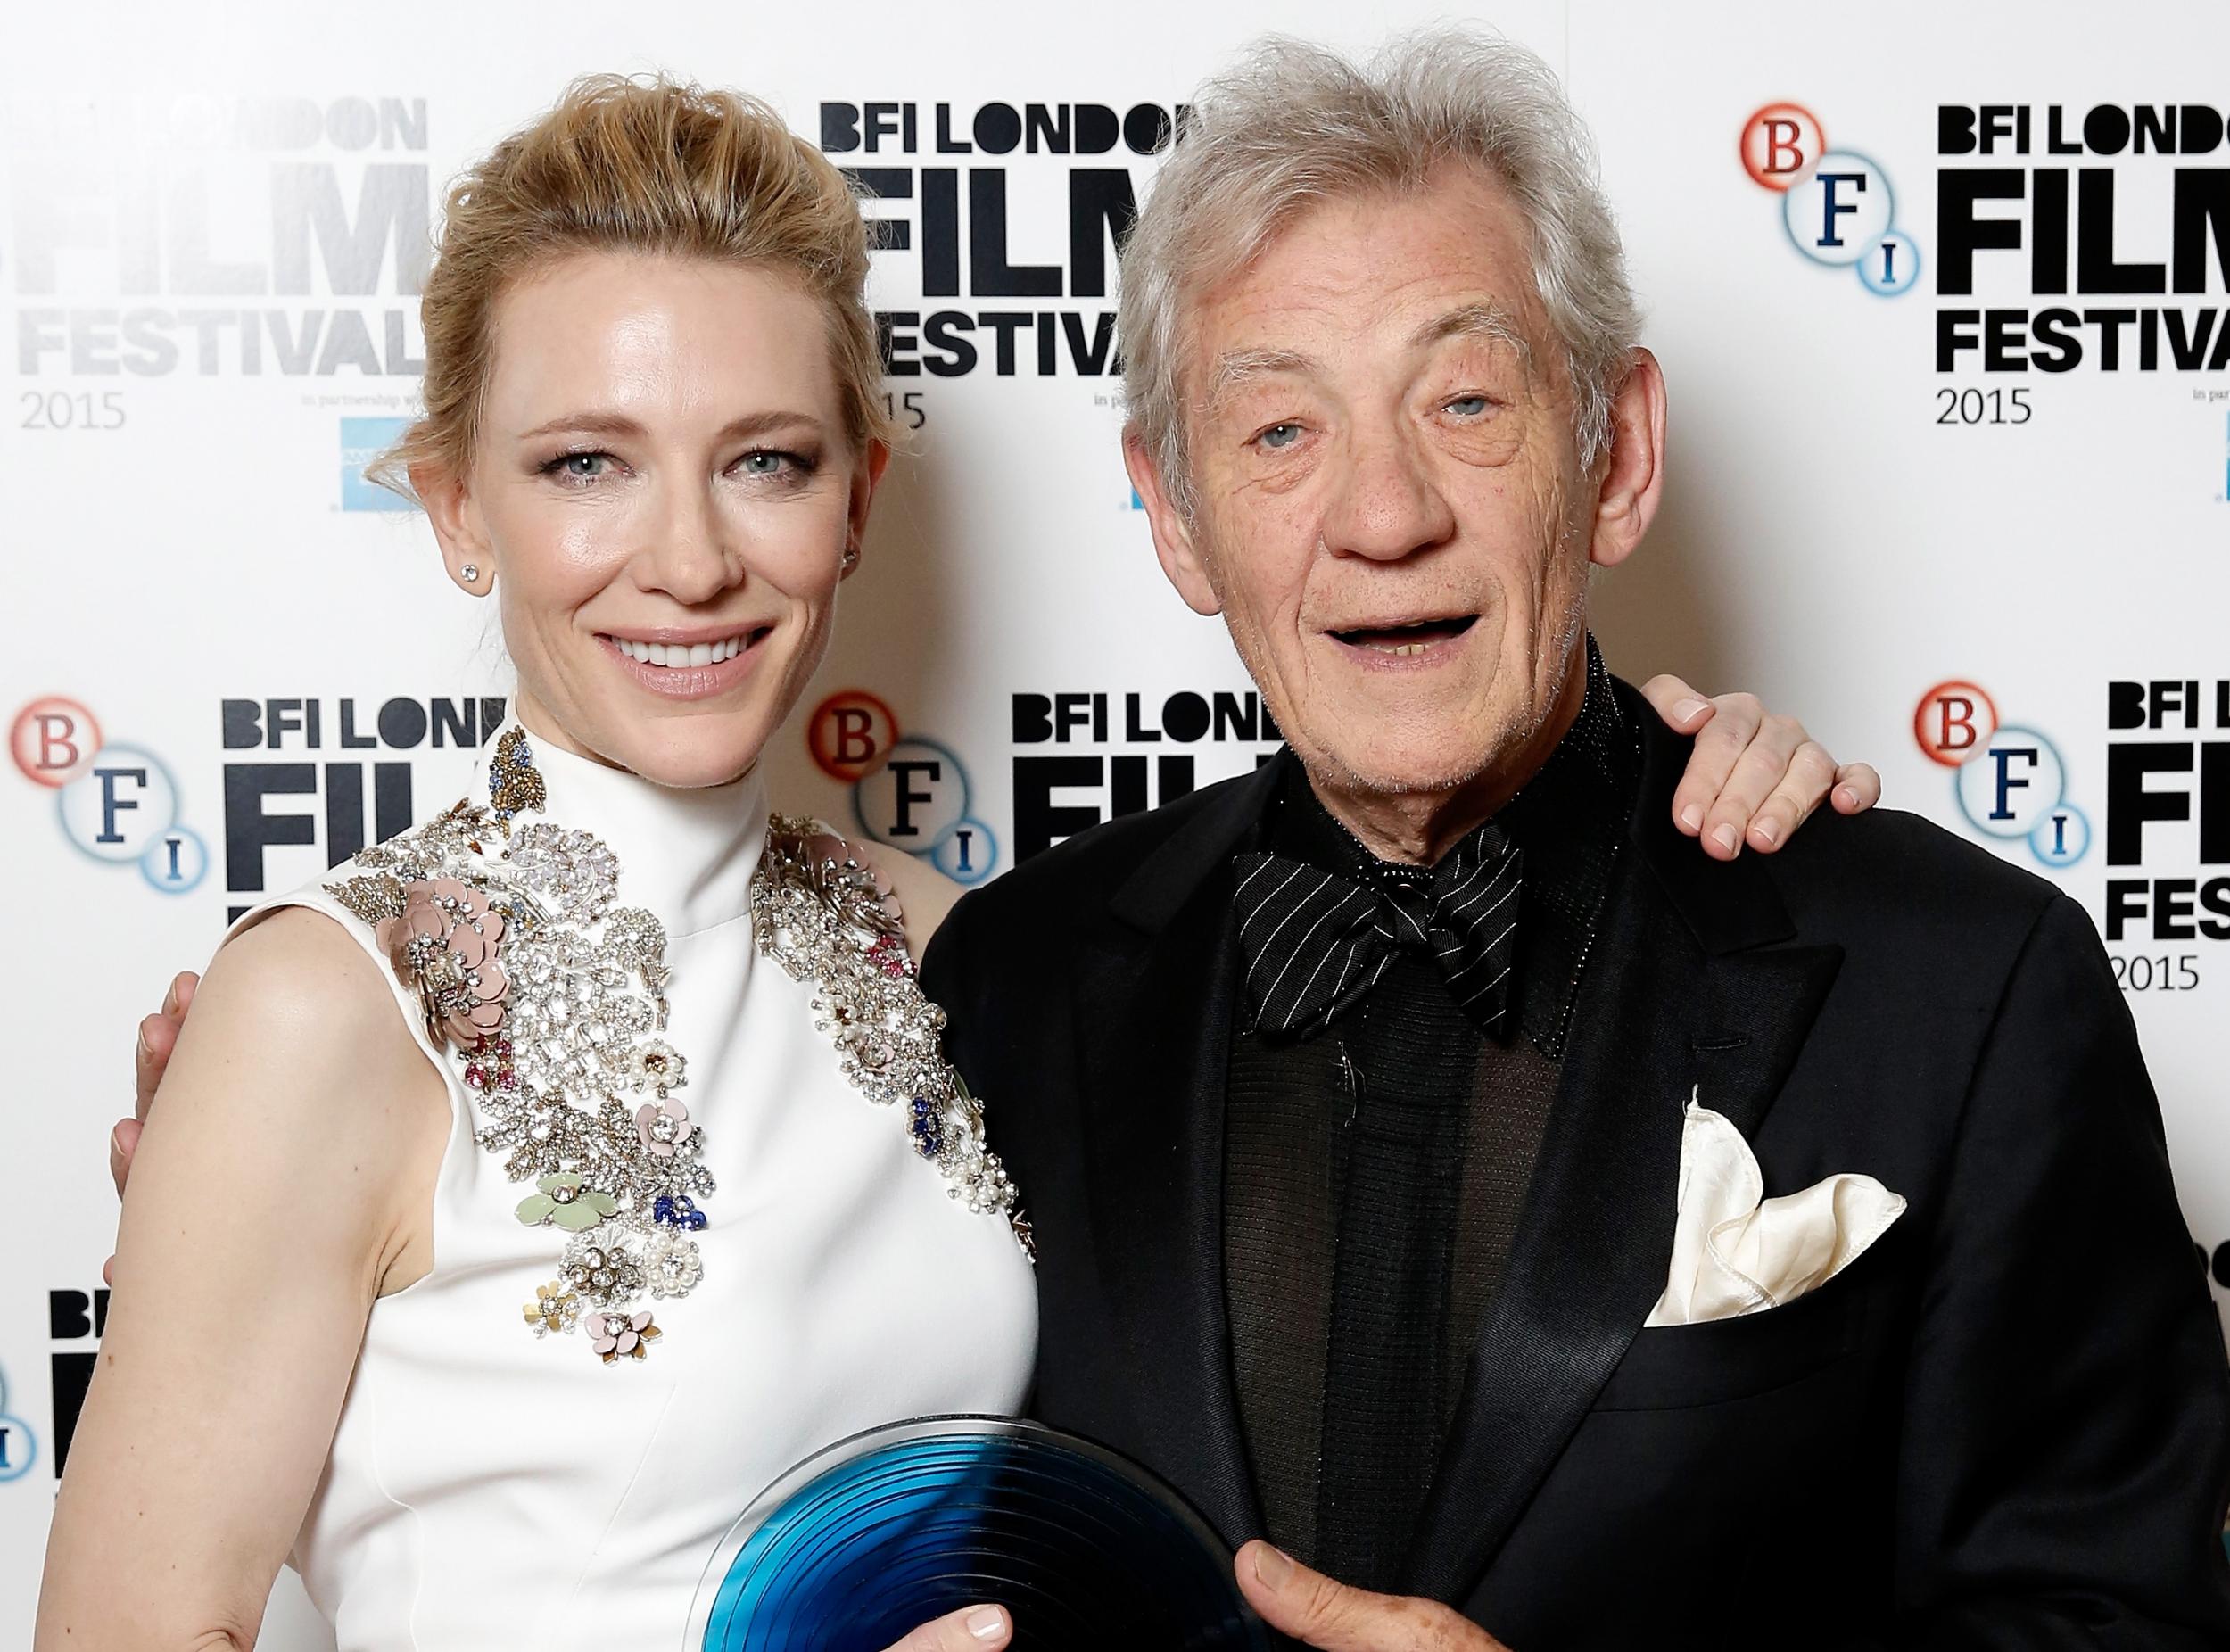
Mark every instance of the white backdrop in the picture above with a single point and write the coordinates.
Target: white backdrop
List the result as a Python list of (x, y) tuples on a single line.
[(211, 224)]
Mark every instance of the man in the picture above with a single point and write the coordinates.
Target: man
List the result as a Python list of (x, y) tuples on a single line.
[(1355, 1088), (1349, 1097)]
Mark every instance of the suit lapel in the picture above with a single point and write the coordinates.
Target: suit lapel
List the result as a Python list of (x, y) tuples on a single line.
[(1155, 1003), (1673, 999)]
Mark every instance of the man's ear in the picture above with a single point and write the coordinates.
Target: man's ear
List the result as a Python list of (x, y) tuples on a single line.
[(1172, 535), (1633, 474), (457, 526)]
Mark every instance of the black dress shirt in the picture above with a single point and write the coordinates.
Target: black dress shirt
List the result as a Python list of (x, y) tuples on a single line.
[(1375, 1171)]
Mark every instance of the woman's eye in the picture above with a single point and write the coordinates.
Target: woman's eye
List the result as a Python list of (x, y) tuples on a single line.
[(774, 464), (1278, 436), (578, 467), (1467, 407)]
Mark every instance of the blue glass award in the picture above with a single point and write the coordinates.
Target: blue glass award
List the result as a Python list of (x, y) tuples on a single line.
[(863, 1542)]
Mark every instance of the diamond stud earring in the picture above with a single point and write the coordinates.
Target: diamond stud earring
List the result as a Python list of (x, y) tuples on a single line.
[(470, 573)]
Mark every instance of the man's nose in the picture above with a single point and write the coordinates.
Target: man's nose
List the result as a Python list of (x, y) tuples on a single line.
[(690, 557), (1387, 506)]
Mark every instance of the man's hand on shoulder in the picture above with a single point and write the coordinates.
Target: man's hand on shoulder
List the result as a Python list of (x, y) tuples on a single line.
[(1754, 776), (1321, 1612)]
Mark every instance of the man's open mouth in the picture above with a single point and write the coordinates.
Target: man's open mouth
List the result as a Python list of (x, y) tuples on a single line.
[(1412, 637)]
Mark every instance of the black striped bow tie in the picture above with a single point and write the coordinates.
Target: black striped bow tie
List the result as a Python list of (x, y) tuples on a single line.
[(1316, 942)]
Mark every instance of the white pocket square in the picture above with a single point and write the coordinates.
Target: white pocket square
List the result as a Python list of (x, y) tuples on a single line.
[(1735, 1251)]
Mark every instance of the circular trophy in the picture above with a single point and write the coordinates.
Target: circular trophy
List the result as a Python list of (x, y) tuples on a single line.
[(865, 1542)]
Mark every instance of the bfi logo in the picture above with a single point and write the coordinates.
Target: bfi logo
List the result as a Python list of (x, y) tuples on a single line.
[(908, 791), (2010, 781), (1836, 206), (116, 803)]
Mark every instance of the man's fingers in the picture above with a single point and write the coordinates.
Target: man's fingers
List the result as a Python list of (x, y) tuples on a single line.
[(1857, 788), (973, 1629), (1734, 724), (1320, 1611), (1683, 709)]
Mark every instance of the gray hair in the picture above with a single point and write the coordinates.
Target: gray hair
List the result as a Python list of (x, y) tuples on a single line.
[(1292, 125)]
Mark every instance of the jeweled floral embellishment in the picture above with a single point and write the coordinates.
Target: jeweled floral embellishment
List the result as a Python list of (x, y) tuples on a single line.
[(444, 944), (515, 785), (657, 1066), (565, 1201), (678, 1210), (664, 1127), (601, 1271), (553, 1308), (550, 996), (620, 1336), (828, 919), (573, 872), (671, 1265)]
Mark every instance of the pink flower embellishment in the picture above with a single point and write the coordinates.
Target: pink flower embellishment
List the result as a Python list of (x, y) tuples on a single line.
[(664, 1125), (620, 1337), (444, 944)]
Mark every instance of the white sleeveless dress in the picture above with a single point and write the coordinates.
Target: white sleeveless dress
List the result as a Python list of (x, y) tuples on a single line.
[(682, 1295)]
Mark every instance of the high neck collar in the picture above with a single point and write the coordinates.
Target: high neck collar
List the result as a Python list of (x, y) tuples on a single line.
[(686, 854)]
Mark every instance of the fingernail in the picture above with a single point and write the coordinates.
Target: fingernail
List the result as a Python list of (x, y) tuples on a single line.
[(116, 1140), (1273, 1566), (1688, 708), (141, 1038), (1846, 798), (1725, 838), (986, 1622), (1767, 832), (1692, 816)]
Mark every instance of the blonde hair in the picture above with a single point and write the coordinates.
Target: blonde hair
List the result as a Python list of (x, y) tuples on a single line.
[(648, 166), (1293, 125)]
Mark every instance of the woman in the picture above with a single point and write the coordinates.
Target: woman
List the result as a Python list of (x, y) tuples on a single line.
[(513, 1213)]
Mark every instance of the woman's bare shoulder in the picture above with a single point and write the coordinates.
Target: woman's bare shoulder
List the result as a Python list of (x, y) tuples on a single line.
[(296, 1037)]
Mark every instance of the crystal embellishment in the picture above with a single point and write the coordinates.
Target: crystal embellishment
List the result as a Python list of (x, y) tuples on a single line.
[(548, 997), (821, 915)]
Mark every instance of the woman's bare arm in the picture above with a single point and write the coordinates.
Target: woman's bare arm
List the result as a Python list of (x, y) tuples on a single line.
[(284, 1181)]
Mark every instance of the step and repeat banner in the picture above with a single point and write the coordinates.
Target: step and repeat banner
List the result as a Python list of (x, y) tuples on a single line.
[(1943, 314)]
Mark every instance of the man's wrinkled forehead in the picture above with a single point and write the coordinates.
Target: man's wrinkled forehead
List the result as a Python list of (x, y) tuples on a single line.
[(1451, 258), (1232, 371)]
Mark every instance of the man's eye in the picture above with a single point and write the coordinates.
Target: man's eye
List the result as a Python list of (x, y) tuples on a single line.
[(1278, 436), (1468, 407)]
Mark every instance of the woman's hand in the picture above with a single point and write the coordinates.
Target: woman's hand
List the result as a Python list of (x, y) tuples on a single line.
[(1754, 776)]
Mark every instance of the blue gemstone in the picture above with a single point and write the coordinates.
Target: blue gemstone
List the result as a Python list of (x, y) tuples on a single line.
[(696, 1221)]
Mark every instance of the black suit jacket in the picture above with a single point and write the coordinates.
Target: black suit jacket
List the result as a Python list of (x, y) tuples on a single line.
[(2006, 1425)]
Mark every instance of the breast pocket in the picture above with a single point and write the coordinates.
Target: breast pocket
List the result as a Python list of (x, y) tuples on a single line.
[(1677, 1367)]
